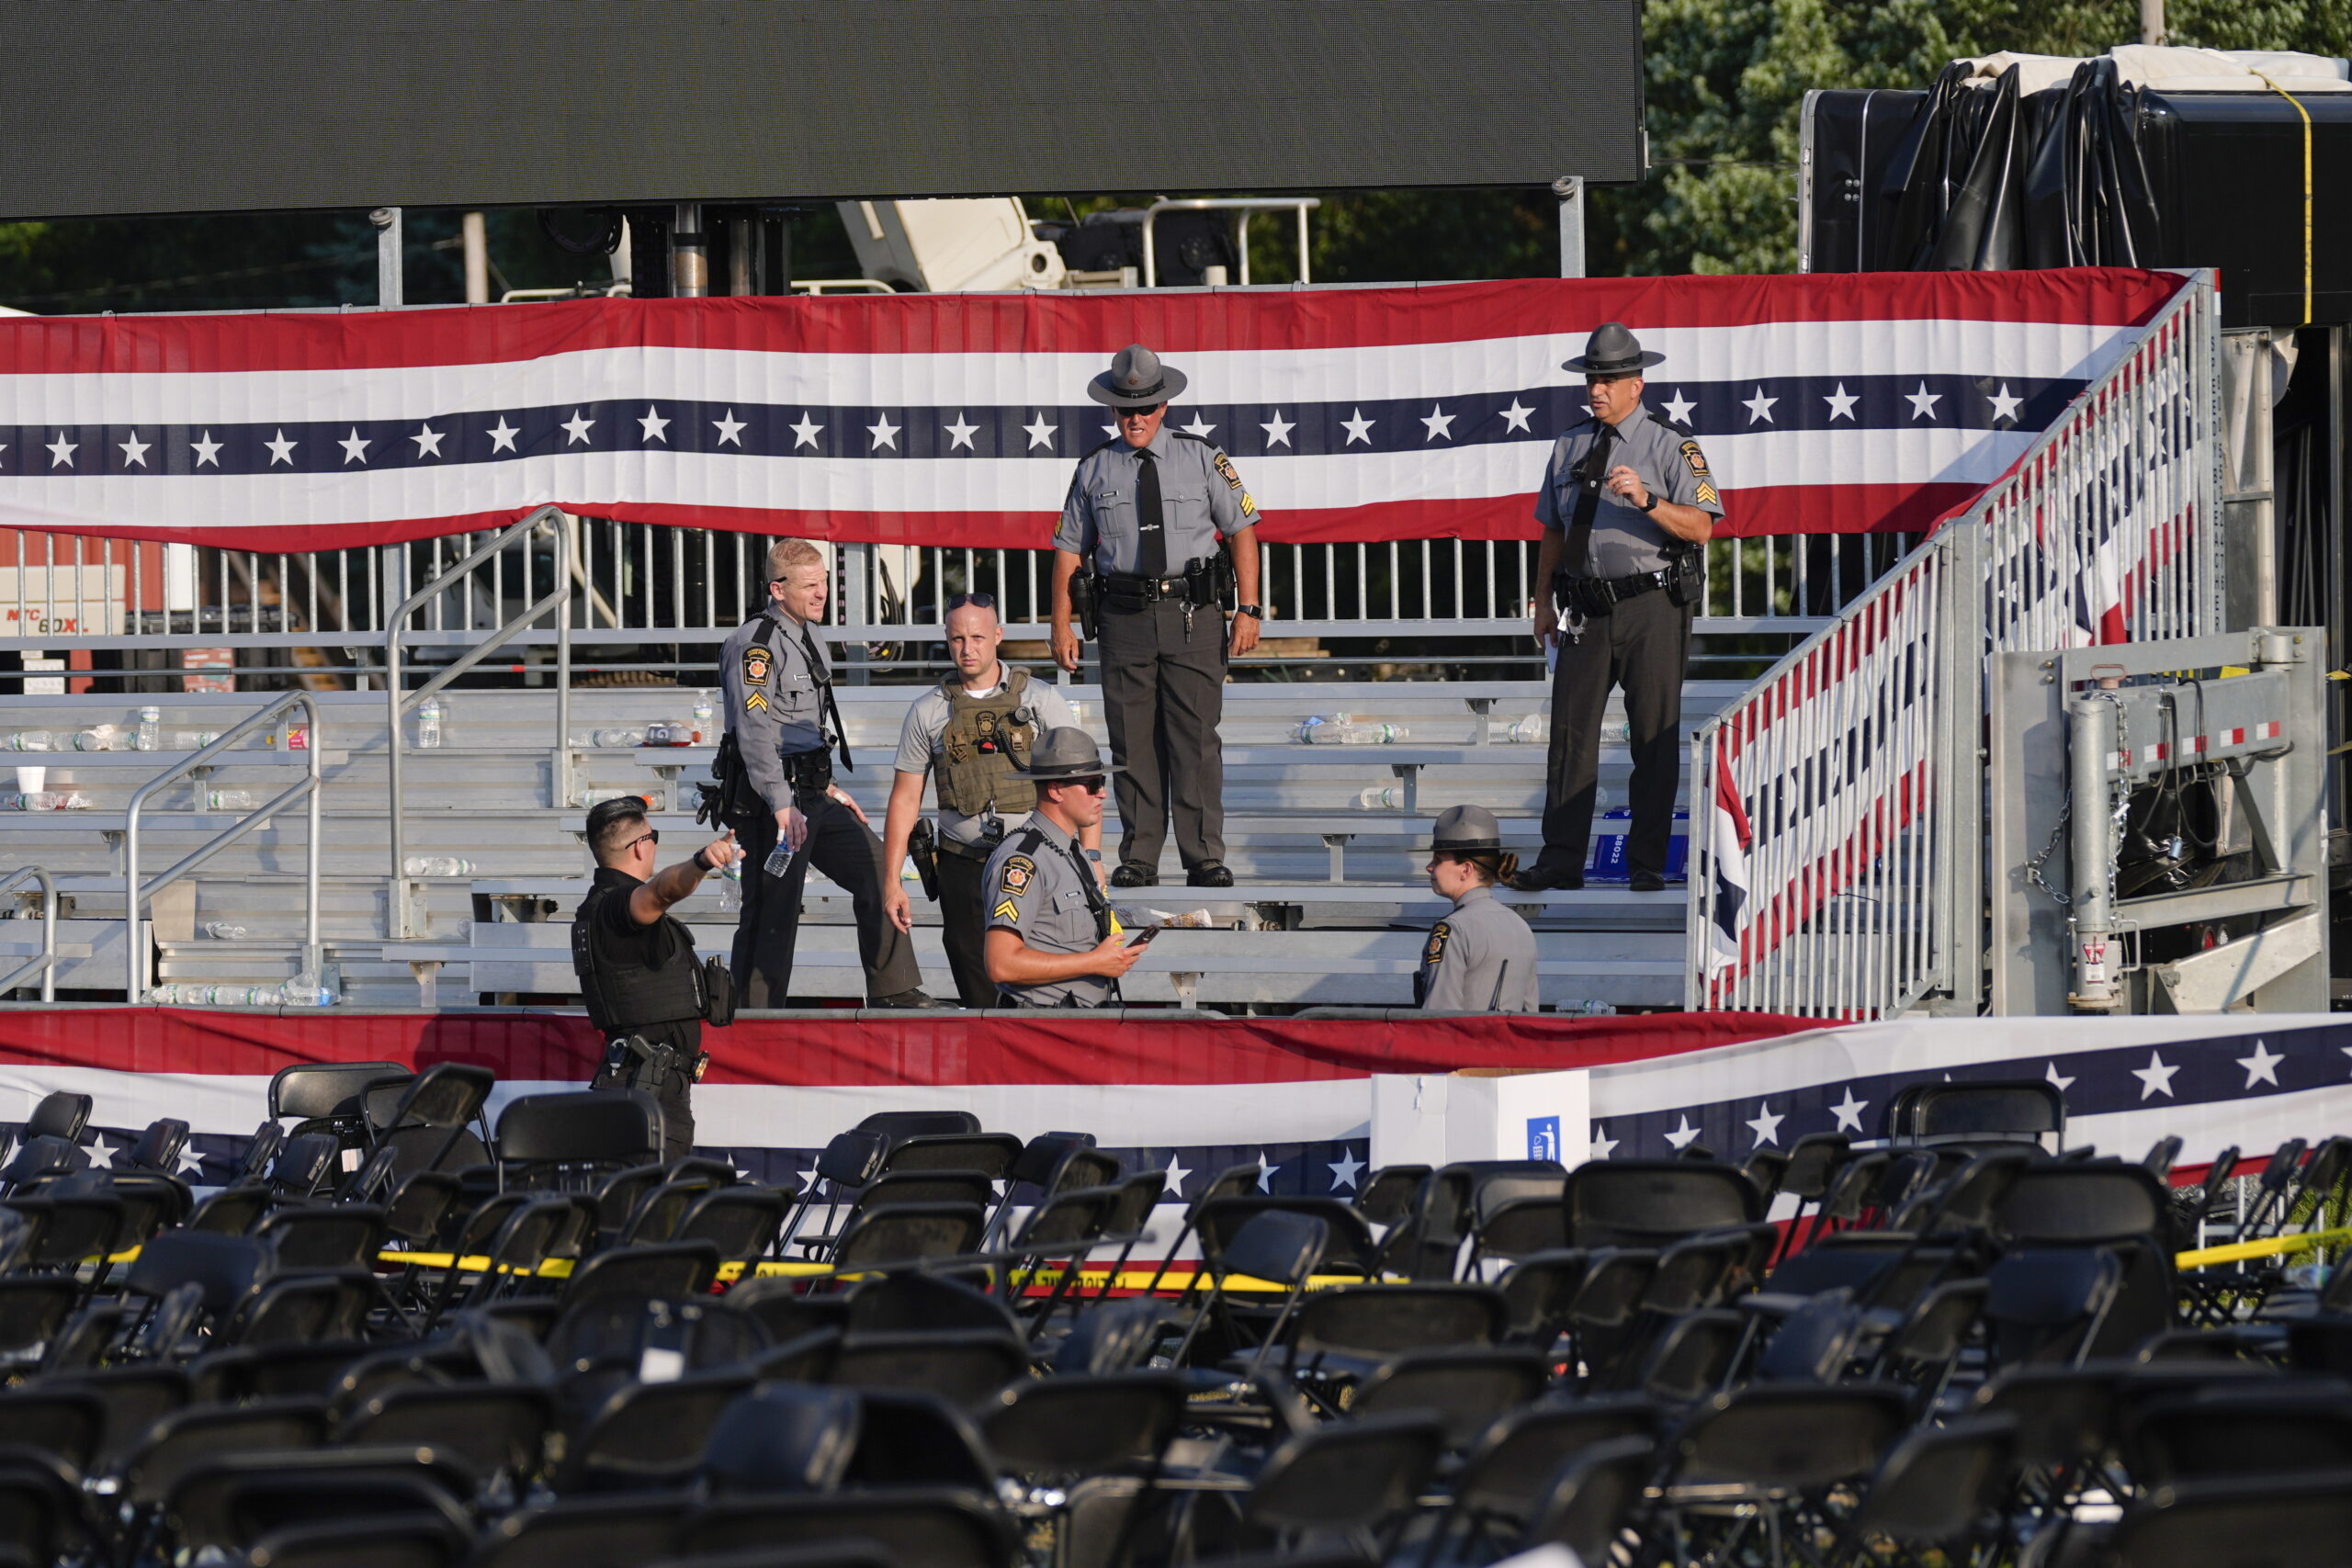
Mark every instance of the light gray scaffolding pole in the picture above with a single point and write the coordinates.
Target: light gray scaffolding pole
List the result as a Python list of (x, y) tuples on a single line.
[(1570, 190), (388, 293)]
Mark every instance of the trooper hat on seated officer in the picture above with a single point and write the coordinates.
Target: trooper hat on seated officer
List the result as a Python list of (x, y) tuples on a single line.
[(1065, 753), (1467, 831), (1613, 351), (1136, 379)]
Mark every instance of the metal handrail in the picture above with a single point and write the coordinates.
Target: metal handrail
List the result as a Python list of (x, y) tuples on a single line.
[(1244, 205), (134, 895), (559, 598), (46, 963)]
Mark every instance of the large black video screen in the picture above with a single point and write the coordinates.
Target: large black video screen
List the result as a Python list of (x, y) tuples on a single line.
[(157, 105)]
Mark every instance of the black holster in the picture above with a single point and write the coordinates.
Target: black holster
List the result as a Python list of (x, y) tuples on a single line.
[(923, 848), (808, 772), (1203, 581), (633, 1061), (1686, 577), (1086, 600)]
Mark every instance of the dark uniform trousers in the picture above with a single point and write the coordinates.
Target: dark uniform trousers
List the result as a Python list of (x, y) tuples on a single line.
[(963, 927), (1163, 691), (1643, 645), (845, 849)]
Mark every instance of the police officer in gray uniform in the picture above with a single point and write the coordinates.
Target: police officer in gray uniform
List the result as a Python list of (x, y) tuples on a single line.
[(1627, 507), (1481, 958), (1050, 942), (1146, 512), (785, 721)]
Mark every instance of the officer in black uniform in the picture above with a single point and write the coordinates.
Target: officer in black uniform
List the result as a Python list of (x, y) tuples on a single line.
[(636, 963), (784, 722), (1155, 520), (1627, 507)]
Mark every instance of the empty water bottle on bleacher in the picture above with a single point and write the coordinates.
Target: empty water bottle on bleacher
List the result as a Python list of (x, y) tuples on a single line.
[(428, 725), (437, 865)]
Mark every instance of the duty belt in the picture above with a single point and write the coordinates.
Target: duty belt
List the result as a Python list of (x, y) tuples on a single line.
[(1148, 587), (1595, 592)]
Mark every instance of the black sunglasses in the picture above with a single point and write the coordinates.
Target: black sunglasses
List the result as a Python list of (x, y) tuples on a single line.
[(652, 836), (1094, 786), (978, 600)]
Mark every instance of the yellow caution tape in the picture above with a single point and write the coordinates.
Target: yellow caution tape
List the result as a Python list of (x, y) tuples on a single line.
[(2268, 1247)]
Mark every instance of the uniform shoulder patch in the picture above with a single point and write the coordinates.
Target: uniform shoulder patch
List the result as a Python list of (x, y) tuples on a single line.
[(1435, 951), (1225, 467), (1017, 873), (756, 661), (1696, 458)]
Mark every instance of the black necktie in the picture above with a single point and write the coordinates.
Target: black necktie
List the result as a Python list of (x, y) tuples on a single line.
[(824, 678), (1595, 463), (1149, 524)]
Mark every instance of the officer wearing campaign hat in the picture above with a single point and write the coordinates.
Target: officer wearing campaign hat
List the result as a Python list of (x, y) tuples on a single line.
[(636, 962), (1481, 958), (1158, 529), (1627, 506), (1049, 940)]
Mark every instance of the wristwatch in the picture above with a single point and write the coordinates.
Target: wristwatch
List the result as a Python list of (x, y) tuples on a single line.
[(1094, 856), (1651, 504), (1254, 612)]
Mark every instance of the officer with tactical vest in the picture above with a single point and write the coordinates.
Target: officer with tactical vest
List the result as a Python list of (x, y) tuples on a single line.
[(1051, 943), (783, 728), (1155, 534), (646, 994), (974, 733)]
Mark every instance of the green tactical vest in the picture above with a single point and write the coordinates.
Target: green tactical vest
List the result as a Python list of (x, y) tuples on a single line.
[(983, 747)]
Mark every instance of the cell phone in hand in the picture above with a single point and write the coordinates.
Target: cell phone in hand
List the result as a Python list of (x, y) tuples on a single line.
[(1144, 935)]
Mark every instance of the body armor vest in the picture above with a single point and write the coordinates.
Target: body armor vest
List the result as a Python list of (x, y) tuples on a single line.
[(622, 996), (983, 747)]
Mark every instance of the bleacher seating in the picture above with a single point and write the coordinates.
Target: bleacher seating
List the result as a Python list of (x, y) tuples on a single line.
[(414, 1339), (1334, 887)]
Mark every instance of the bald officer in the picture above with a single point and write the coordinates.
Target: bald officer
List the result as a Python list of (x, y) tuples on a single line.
[(1148, 510), (1481, 958), (1050, 942), (1627, 507)]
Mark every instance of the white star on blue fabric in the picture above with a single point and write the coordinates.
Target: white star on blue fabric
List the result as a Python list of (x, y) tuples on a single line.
[(2155, 1078), (206, 450), (1684, 1134), (1677, 407), (1600, 1142), (579, 424), (655, 425), (1438, 422), (1841, 402), (1176, 1176), (282, 450), (730, 430), (2262, 1066), (502, 436), (135, 450), (1039, 433), (1923, 401), (2004, 405), (1277, 429), (428, 441), (960, 434), (1849, 1112), (2060, 1084), (1265, 1172), (1345, 1169), (189, 1158), (1358, 429), (60, 451), (1766, 1125), (805, 434), (1516, 417), (1758, 407), (355, 446), (883, 432), (1199, 427)]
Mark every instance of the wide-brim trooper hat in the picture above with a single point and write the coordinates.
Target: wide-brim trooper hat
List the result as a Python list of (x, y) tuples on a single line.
[(1136, 379), (1613, 351), (1467, 831), (1065, 753)]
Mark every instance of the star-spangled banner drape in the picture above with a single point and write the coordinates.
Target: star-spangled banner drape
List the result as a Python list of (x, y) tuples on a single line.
[(1844, 403)]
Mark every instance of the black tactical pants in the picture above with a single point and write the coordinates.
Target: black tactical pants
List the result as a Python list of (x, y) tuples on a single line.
[(963, 927), (1163, 692), (1643, 646), (845, 849)]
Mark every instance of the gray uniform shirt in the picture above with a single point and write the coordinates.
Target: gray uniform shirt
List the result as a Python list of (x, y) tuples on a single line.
[(1200, 502), (775, 700), (1624, 538), (1481, 958), (1035, 885), (920, 742)]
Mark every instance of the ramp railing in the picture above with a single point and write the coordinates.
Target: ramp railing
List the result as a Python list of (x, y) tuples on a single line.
[(1836, 808), (43, 962)]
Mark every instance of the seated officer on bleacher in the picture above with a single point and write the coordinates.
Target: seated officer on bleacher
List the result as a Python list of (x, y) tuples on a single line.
[(646, 995), (1049, 940), (1481, 958)]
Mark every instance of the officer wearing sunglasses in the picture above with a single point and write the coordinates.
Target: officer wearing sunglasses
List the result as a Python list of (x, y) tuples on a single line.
[(1050, 941)]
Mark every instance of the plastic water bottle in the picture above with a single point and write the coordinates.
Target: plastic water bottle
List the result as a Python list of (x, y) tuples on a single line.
[(1380, 798), (204, 737), (437, 865), (1616, 732), (428, 725), (1528, 731), (101, 738), (29, 740), (703, 732), (302, 991), (231, 799), (618, 737), (1317, 731), (779, 859), (221, 931), (151, 730)]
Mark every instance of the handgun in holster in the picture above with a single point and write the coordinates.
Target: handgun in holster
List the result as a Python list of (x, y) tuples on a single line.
[(633, 1061), (1202, 585), (1085, 599), (923, 848)]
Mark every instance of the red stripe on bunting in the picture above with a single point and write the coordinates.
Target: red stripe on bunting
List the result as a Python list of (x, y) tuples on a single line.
[(865, 1051), (1175, 321)]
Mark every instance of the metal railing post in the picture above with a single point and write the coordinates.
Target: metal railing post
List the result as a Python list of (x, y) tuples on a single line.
[(47, 960), (1245, 205), (560, 778)]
